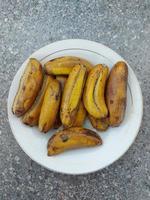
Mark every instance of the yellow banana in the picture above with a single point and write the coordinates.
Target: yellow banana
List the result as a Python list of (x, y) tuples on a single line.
[(93, 98), (72, 94), (50, 106), (72, 138), (64, 65), (29, 87), (80, 116), (99, 124), (31, 117)]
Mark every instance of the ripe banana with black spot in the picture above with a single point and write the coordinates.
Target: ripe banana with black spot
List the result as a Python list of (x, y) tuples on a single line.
[(50, 106), (72, 95), (64, 65), (72, 138), (29, 87)]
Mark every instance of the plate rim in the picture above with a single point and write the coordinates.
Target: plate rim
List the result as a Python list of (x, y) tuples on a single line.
[(141, 101)]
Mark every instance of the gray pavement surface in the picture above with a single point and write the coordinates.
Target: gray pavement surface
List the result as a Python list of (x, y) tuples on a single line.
[(26, 26)]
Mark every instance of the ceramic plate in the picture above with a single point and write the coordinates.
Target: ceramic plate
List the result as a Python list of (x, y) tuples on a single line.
[(116, 141)]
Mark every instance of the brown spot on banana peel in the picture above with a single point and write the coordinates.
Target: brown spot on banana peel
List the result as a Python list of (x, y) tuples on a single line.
[(44, 128), (57, 123), (64, 138), (71, 138)]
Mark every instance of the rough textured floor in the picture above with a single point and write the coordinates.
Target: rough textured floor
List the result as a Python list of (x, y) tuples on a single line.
[(25, 26)]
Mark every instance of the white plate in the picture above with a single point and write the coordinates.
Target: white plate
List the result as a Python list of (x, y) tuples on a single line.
[(116, 141)]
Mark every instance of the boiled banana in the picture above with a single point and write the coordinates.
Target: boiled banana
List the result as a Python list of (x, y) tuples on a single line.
[(116, 93), (29, 87), (71, 138), (64, 65), (31, 117), (50, 106), (93, 97), (72, 94)]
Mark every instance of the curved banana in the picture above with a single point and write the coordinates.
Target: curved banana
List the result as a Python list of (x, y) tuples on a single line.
[(72, 94), (31, 117), (64, 65), (99, 124), (29, 87), (93, 97), (71, 138), (50, 106)]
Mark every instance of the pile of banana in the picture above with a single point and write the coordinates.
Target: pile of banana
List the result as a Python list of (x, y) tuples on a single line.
[(66, 91)]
